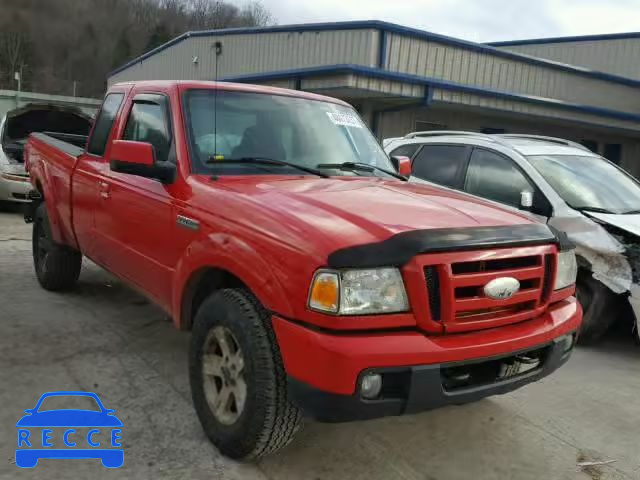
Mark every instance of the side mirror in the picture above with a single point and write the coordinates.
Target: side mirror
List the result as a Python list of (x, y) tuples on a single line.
[(139, 158), (402, 165), (526, 200), (29, 411)]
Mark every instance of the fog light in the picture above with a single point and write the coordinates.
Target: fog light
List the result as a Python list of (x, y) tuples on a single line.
[(567, 342), (370, 385)]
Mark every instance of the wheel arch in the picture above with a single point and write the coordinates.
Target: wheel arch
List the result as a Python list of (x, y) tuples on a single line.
[(200, 284), (223, 266), (48, 197)]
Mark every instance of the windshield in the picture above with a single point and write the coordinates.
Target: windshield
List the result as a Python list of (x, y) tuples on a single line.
[(303, 132), (589, 183)]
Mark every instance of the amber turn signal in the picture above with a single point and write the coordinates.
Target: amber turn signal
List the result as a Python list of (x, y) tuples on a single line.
[(325, 292)]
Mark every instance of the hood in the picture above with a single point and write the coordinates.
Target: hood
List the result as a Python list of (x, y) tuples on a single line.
[(345, 211), (628, 223), (20, 123)]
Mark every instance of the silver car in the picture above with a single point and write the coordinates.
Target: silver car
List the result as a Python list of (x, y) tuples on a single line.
[(16, 126), (562, 183), (14, 180)]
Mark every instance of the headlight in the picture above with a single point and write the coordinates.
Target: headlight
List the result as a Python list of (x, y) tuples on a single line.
[(567, 270), (358, 292)]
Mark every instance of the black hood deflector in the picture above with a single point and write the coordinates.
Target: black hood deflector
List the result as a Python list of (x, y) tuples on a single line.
[(399, 249)]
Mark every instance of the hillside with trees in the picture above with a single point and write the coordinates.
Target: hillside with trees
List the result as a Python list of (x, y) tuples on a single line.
[(62, 45)]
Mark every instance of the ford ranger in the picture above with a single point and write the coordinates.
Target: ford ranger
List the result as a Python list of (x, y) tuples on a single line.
[(313, 278)]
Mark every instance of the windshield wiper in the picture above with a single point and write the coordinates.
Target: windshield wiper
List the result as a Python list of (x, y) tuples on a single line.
[(268, 161), (360, 167), (594, 210)]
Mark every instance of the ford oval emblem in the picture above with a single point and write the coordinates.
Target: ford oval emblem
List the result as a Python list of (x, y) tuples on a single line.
[(502, 288)]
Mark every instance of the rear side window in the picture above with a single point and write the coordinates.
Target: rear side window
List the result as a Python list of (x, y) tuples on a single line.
[(405, 150), (148, 123), (441, 164), (104, 124), (497, 178)]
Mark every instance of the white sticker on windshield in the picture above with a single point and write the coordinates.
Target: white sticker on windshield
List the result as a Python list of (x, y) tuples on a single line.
[(345, 119)]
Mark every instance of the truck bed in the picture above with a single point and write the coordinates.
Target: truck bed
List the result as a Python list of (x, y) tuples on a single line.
[(70, 144), (56, 159)]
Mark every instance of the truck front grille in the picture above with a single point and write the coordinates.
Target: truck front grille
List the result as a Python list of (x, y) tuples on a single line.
[(455, 286), (432, 276)]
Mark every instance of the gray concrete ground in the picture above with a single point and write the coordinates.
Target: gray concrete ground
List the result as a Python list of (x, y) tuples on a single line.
[(105, 338)]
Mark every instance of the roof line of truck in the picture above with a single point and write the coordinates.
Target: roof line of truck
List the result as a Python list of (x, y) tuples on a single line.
[(232, 86)]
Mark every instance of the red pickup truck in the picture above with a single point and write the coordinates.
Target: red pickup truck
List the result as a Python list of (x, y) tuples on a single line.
[(313, 277)]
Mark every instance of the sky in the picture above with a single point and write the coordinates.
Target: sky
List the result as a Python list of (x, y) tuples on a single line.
[(475, 20)]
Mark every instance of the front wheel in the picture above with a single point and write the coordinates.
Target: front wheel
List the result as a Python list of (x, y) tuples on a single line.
[(238, 382), (57, 267), (600, 306)]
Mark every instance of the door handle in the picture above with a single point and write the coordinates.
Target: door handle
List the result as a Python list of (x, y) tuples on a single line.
[(104, 189)]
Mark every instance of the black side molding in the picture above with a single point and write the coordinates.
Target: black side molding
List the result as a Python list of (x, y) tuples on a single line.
[(397, 250)]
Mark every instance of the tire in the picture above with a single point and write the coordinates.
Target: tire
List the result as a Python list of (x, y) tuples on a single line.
[(57, 267), (600, 306), (265, 419)]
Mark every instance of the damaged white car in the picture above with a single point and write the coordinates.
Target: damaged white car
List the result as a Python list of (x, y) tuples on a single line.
[(66, 123), (562, 183)]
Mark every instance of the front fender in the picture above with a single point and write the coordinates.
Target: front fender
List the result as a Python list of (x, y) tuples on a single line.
[(226, 252)]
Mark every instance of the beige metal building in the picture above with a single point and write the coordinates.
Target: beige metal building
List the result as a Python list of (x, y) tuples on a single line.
[(616, 53), (402, 79)]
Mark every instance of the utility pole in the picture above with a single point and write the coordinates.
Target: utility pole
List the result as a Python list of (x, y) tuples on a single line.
[(18, 77)]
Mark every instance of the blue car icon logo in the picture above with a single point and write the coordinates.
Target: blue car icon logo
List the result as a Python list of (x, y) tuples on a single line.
[(84, 434)]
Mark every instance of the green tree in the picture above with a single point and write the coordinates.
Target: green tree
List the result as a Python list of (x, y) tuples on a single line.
[(122, 52), (159, 36)]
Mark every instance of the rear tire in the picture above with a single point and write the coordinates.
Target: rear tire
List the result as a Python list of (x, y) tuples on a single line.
[(233, 343), (57, 267), (600, 305)]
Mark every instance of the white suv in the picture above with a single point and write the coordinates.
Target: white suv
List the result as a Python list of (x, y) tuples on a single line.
[(560, 182)]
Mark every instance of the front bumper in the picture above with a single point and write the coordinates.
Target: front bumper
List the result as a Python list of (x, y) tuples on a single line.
[(14, 188), (324, 368), (420, 388)]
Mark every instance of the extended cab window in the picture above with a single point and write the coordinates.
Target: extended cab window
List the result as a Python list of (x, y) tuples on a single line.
[(441, 164), (148, 123), (104, 124), (495, 177)]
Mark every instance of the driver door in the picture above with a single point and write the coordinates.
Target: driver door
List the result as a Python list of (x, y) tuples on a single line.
[(136, 219)]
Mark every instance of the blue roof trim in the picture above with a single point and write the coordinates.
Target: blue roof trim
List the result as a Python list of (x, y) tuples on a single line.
[(389, 28), (435, 83), (578, 38)]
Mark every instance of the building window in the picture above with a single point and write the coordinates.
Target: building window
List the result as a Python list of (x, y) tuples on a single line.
[(493, 131), (591, 145), (429, 126), (613, 152)]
